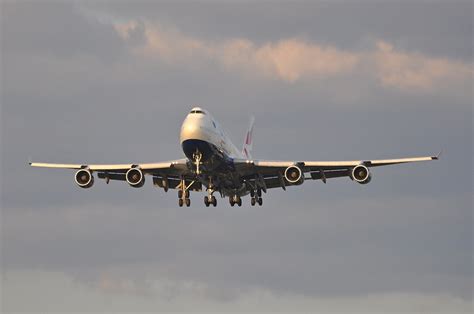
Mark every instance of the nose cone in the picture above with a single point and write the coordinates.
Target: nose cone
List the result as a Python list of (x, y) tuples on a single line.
[(191, 128)]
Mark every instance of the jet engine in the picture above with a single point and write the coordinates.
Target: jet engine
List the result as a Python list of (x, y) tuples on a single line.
[(361, 174), (135, 177), (294, 175), (84, 178)]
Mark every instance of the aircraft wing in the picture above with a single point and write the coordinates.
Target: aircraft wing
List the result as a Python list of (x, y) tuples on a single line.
[(270, 174), (121, 168), (167, 173)]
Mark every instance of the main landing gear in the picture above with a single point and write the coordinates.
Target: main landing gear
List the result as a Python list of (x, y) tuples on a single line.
[(183, 198), (235, 200), (256, 197), (183, 194), (210, 200)]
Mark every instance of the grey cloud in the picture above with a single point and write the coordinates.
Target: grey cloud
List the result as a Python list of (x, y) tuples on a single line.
[(417, 25)]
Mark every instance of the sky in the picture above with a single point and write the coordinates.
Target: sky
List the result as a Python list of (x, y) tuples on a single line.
[(111, 82)]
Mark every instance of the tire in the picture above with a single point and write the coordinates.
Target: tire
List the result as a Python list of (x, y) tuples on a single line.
[(180, 202), (214, 201), (252, 201), (259, 193), (239, 201), (206, 201), (180, 193), (188, 202), (186, 193), (260, 201), (231, 201), (252, 193)]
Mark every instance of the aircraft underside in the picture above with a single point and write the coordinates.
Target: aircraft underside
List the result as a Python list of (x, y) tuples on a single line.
[(214, 170)]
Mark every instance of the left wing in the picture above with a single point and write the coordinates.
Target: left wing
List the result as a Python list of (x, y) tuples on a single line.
[(270, 174)]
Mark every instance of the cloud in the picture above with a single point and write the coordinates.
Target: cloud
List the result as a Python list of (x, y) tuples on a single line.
[(288, 59), (408, 71), (295, 59), (58, 292)]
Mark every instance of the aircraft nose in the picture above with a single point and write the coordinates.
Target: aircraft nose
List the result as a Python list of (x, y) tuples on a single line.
[(190, 129)]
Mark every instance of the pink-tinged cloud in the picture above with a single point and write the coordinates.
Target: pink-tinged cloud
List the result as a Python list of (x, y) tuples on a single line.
[(289, 59), (296, 59), (412, 71)]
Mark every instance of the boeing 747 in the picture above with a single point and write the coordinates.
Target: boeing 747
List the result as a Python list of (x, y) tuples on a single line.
[(214, 164)]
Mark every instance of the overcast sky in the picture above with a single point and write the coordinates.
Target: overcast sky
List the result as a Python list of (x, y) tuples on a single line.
[(111, 82)]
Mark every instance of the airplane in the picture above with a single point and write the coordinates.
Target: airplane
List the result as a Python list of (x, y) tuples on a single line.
[(212, 162)]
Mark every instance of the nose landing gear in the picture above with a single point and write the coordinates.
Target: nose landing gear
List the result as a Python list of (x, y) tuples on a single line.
[(197, 157)]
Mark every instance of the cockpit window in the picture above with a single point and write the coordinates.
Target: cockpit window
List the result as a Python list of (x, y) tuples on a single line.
[(197, 111)]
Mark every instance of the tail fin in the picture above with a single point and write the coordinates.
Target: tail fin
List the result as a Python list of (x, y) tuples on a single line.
[(248, 141)]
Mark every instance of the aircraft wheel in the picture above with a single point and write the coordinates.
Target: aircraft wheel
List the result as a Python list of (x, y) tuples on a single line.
[(259, 192), (252, 193), (252, 201), (260, 201), (239, 201), (231, 201), (188, 202), (180, 202), (214, 201), (180, 193), (206, 201), (186, 194)]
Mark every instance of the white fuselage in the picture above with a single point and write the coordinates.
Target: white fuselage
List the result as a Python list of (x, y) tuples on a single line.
[(200, 132)]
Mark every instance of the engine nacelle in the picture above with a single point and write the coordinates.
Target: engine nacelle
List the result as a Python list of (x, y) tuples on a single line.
[(84, 178), (294, 175), (361, 174), (135, 177)]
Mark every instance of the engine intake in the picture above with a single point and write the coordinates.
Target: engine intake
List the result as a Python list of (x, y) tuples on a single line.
[(361, 174), (135, 177), (84, 178), (294, 175)]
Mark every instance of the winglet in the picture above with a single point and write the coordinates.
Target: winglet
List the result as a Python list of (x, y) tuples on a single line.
[(437, 156)]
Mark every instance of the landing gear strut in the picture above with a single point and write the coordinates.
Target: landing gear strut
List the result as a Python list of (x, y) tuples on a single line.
[(197, 156)]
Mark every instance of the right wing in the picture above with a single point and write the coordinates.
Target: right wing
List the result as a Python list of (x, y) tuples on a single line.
[(165, 174)]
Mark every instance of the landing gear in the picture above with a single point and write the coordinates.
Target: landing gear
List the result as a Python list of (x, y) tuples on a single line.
[(197, 156), (235, 200), (210, 200), (183, 194), (256, 197)]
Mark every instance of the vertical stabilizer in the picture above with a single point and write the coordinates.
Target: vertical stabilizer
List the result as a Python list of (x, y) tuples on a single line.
[(248, 140)]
